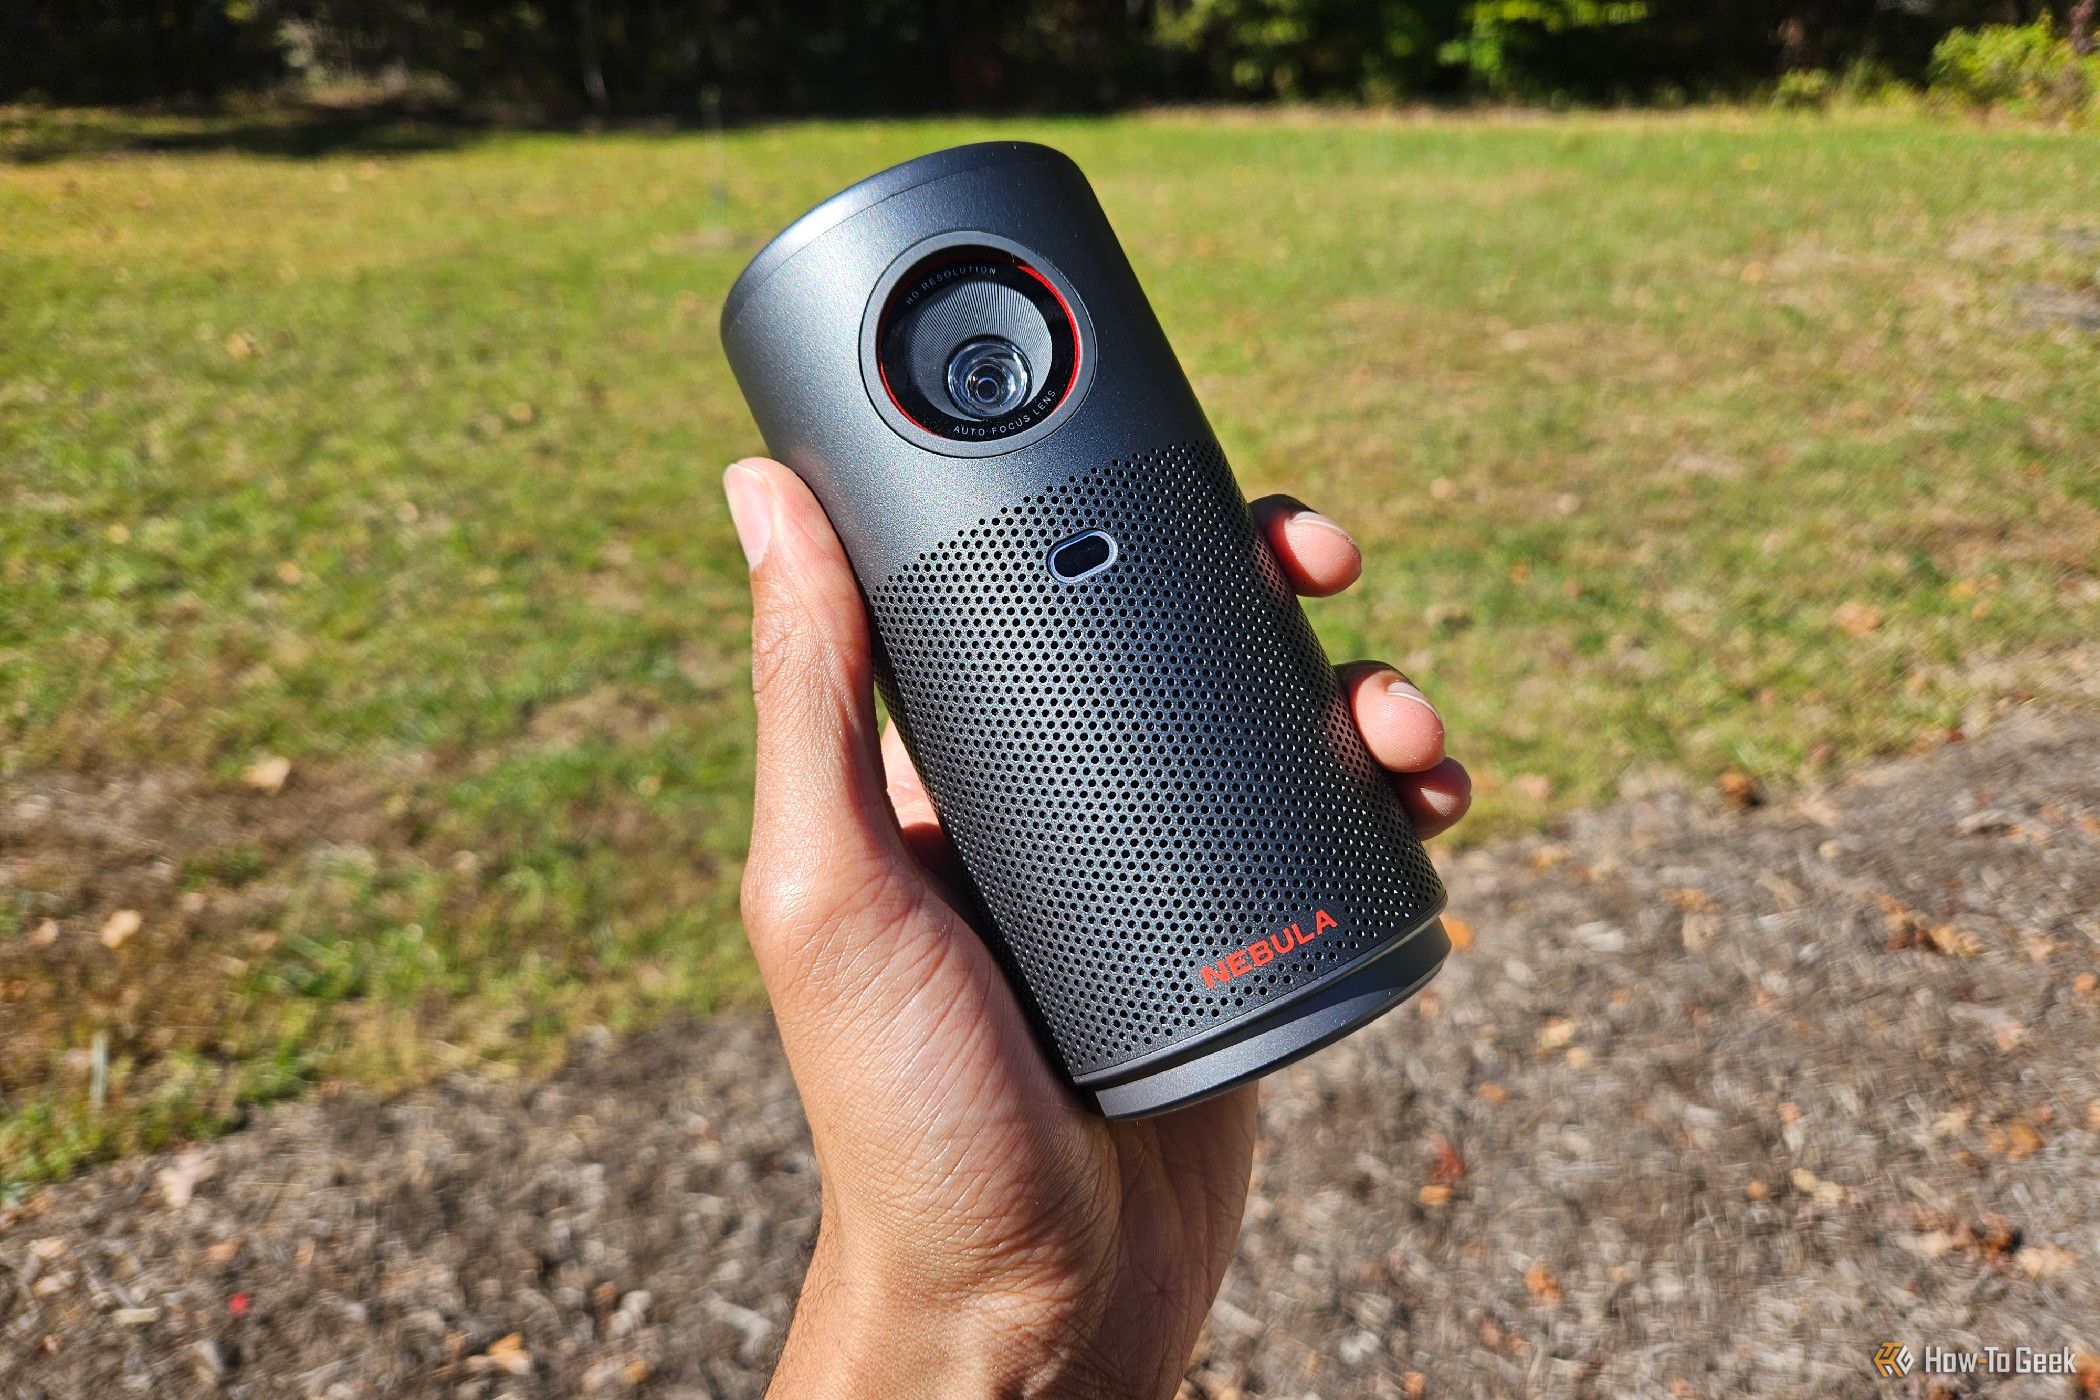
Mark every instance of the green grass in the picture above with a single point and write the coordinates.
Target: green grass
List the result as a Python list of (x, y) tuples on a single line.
[(402, 464)]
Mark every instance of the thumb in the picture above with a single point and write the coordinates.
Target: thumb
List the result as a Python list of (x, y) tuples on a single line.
[(819, 804)]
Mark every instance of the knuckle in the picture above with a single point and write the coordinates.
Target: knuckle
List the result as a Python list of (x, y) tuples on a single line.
[(779, 896), (816, 926)]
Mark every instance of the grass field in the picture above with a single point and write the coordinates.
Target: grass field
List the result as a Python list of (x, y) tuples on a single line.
[(1691, 445)]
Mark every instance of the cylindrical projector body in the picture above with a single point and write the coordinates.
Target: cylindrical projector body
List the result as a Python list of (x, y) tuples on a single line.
[(1177, 844)]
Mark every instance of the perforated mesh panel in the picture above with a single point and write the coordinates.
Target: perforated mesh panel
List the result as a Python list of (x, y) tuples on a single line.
[(1148, 770)]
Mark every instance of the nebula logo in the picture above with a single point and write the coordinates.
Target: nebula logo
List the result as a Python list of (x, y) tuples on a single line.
[(1893, 1359), (1264, 951)]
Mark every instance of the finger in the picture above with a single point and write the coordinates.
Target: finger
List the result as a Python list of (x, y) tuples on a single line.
[(1400, 727), (916, 818), (1317, 555), (819, 799), (1437, 799)]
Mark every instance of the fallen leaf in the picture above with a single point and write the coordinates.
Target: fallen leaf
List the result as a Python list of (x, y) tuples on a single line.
[(268, 774), (2014, 1139), (1495, 1093), (289, 572), (1541, 1284), (1987, 1239), (1447, 1165), (1535, 788), (1755, 1190), (1827, 1193), (521, 413), (178, 1180), (1946, 938), (1459, 932), (1414, 1385), (45, 933), (134, 1317), (1857, 619), (2044, 1260), (1933, 1243), (1433, 1196), (1556, 1033), (1740, 790), (1910, 929), (507, 1353), (120, 926), (240, 345)]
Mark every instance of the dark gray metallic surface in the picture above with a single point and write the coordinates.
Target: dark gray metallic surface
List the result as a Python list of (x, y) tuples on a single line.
[(793, 333), (1144, 770)]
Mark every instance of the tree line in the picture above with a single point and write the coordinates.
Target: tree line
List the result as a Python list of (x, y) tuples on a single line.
[(708, 58)]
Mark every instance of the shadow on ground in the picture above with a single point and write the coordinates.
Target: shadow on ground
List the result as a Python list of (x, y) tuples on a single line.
[(30, 136)]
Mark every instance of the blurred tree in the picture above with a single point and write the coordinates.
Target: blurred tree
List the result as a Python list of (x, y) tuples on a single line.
[(1372, 49), (126, 50), (1500, 42), (627, 58)]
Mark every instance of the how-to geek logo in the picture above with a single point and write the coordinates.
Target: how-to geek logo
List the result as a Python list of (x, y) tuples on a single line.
[(1263, 951)]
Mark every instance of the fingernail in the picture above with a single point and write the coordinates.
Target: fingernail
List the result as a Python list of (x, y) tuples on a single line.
[(750, 510), (1321, 522), (1407, 690)]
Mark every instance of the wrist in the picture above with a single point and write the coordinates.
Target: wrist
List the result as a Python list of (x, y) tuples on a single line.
[(873, 1325)]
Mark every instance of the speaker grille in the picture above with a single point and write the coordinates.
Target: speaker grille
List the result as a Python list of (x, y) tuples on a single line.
[(1148, 770)]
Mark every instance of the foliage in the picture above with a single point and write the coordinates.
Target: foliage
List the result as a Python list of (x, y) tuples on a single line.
[(1311, 48), (1804, 89), (1498, 36), (2022, 68), (709, 58)]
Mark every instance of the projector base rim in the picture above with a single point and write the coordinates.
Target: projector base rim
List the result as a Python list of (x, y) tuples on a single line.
[(1266, 1043)]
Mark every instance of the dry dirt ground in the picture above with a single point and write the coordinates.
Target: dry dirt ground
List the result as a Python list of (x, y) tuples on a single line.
[(1714, 1102)]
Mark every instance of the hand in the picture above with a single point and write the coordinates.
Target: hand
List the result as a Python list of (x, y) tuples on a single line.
[(981, 1233)]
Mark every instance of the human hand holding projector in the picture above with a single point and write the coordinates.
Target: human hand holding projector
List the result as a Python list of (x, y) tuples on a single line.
[(1134, 842)]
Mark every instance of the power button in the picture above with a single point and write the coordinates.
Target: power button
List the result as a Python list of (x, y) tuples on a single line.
[(1081, 557)]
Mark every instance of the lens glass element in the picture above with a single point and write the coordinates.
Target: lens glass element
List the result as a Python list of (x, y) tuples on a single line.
[(975, 346), (988, 377)]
